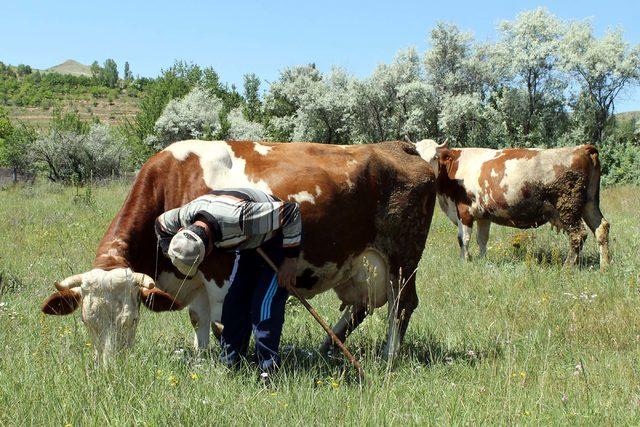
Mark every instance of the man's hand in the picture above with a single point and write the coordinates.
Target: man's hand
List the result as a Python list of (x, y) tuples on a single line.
[(287, 273)]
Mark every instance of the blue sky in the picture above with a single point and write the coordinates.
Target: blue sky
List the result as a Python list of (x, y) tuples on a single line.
[(236, 37)]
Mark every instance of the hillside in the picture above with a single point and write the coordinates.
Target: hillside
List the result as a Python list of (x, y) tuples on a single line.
[(628, 116), (71, 67)]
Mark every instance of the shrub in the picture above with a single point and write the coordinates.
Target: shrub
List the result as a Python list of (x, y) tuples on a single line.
[(242, 129), (197, 115), (620, 162), (69, 156)]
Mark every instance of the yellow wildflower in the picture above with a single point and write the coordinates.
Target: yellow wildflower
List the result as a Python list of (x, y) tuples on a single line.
[(173, 381)]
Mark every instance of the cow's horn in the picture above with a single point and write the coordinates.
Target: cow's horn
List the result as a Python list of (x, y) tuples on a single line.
[(143, 280), (444, 144), (70, 282)]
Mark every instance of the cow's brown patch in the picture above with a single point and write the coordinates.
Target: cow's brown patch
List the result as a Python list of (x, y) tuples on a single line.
[(491, 177), (338, 215)]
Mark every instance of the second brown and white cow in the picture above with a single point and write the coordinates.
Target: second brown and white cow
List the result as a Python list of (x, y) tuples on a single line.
[(520, 188), (366, 212)]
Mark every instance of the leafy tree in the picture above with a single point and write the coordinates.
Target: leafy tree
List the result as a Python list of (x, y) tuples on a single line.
[(455, 67), (196, 116), (23, 70), (74, 152), (396, 102), (128, 75), (109, 73), (96, 71), (602, 69), (305, 106), (253, 105), (452, 65), (16, 143), (242, 129), (528, 55)]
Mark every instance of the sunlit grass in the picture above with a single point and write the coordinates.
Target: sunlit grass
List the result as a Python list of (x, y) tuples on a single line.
[(514, 338)]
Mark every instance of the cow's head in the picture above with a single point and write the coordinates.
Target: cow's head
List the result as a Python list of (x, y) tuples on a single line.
[(430, 151), (110, 305)]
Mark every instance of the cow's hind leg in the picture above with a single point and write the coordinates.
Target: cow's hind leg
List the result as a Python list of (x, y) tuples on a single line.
[(484, 225), (351, 318), (577, 236), (600, 228)]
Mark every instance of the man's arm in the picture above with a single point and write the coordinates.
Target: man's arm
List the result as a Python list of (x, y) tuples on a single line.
[(166, 226)]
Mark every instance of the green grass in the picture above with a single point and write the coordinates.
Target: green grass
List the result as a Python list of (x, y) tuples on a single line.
[(513, 339)]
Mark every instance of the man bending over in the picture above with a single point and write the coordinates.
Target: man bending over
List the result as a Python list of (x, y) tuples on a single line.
[(241, 220)]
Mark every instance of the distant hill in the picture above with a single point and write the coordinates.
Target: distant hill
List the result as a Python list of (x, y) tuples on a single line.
[(71, 67), (628, 116)]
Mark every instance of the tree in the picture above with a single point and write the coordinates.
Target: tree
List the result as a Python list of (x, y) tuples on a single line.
[(602, 69), (450, 65), (96, 71), (110, 73), (242, 129), (16, 143), (23, 70), (305, 106), (128, 75), (454, 66), (528, 55), (74, 152), (253, 105), (196, 116), (396, 102)]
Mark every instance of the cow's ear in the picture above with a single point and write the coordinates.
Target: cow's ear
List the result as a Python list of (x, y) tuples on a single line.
[(62, 302), (157, 300), (445, 161)]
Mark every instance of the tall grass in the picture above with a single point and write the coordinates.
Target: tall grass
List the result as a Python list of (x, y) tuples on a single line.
[(514, 338)]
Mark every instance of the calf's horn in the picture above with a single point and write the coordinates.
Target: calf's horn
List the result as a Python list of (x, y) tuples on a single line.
[(70, 282), (143, 280), (444, 144)]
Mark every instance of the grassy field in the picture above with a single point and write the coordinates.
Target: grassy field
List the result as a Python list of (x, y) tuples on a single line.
[(513, 339)]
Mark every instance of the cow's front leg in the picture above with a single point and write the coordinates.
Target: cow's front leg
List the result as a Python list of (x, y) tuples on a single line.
[(464, 237), (199, 313)]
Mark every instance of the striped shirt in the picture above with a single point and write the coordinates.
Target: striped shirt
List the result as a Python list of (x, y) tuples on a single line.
[(239, 218)]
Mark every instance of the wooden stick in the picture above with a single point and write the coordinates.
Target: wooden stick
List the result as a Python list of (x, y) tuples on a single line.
[(319, 319)]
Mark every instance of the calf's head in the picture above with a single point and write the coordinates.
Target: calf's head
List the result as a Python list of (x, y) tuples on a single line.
[(110, 305), (430, 151)]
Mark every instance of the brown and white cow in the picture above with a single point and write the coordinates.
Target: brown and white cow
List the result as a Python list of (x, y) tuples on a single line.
[(521, 188), (366, 213)]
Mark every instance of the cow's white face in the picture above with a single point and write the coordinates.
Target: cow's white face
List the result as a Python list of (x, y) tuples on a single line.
[(429, 150), (110, 310), (110, 306)]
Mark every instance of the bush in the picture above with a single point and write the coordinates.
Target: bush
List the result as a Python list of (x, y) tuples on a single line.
[(242, 129), (620, 162), (75, 157), (197, 115)]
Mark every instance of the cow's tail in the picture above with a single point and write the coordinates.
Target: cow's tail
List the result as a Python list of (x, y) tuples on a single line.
[(593, 189)]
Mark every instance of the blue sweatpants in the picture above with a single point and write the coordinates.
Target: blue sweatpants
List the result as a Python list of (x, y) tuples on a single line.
[(254, 303)]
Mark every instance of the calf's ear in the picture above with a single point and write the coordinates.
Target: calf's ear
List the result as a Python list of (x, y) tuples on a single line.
[(157, 300), (62, 302)]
